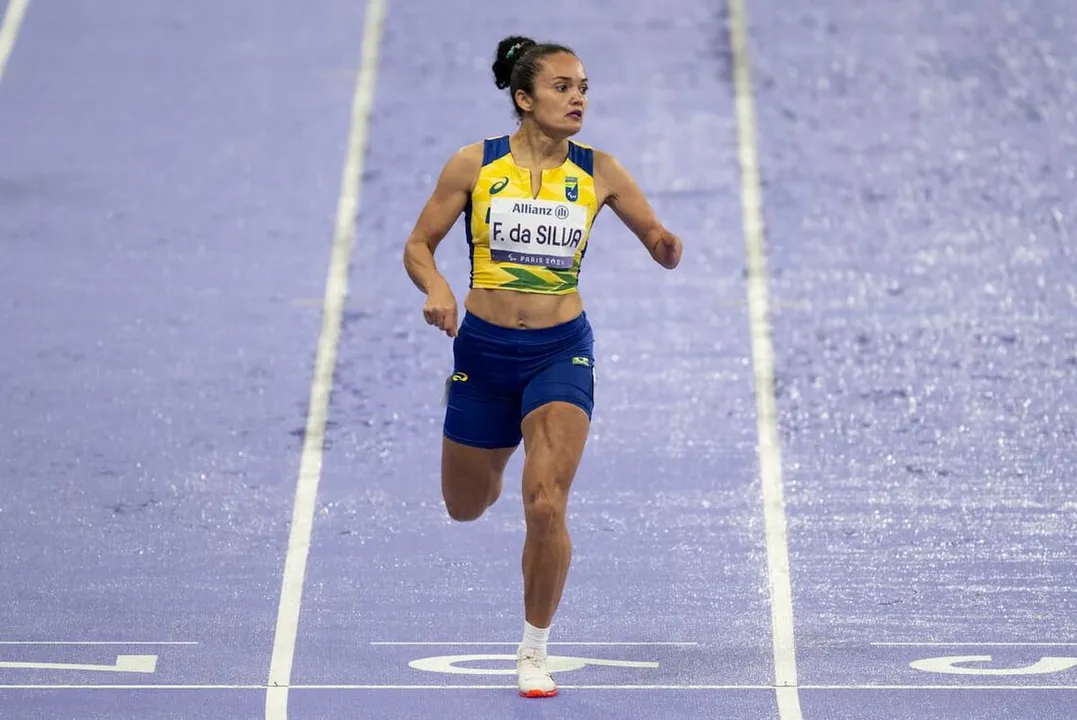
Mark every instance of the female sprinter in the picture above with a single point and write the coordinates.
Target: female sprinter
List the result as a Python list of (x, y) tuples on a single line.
[(523, 355)]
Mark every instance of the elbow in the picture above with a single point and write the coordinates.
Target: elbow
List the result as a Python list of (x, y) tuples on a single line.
[(652, 237), (418, 261), (410, 254)]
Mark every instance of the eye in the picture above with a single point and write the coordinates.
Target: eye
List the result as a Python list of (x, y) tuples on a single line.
[(562, 87)]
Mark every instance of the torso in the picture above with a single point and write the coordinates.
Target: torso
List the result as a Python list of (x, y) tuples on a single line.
[(528, 232)]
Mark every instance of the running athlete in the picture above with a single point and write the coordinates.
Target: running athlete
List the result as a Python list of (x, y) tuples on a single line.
[(523, 355)]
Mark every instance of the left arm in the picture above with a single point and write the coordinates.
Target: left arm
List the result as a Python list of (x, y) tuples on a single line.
[(628, 202)]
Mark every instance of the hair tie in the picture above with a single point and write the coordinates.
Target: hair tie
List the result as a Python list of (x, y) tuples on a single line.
[(512, 51)]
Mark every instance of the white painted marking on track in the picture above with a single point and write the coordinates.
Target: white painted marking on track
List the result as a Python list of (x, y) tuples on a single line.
[(310, 465), (124, 664), (9, 30), (93, 642), (975, 644), (463, 686), (555, 664), (559, 642), (955, 665), (770, 464)]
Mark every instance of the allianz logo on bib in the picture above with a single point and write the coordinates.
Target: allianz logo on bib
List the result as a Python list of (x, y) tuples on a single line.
[(529, 209), (560, 212)]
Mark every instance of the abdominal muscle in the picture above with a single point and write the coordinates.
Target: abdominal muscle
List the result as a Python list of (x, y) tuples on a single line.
[(519, 310)]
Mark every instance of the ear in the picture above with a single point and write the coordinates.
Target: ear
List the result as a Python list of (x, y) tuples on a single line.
[(523, 101)]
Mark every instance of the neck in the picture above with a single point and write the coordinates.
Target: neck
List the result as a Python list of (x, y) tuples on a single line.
[(532, 147)]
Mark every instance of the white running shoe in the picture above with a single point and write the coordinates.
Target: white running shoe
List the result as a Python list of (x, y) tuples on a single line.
[(532, 677)]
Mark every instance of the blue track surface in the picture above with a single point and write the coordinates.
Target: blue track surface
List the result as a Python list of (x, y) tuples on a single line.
[(169, 176)]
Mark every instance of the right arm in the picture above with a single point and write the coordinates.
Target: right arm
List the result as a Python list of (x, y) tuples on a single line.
[(444, 206)]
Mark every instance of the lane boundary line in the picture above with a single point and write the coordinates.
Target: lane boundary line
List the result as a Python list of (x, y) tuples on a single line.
[(714, 687), (626, 643), (109, 643), (310, 466), (9, 30), (768, 450), (973, 644)]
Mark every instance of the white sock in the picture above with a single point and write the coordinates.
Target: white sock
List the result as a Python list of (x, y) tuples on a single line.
[(535, 638)]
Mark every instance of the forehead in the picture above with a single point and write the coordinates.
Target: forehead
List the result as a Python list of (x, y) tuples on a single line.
[(562, 65)]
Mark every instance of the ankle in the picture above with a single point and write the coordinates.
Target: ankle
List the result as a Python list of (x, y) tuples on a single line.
[(535, 638)]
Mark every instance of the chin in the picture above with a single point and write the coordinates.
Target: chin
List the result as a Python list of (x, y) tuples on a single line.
[(559, 132), (570, 127)]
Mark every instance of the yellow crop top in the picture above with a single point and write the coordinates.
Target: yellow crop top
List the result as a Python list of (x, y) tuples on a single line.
[(530, 243)]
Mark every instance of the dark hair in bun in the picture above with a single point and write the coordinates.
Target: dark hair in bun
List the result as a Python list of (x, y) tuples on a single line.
[(517, 63)]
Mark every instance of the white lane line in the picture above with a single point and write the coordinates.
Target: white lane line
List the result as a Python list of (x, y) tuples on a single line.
[(562, 642), (770, 463), (768, 688), (9, 30), (974, 644), (310, 465), (123, 664), (28, 643)]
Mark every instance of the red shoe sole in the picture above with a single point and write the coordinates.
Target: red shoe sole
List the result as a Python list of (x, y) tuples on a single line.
[(538, 694)]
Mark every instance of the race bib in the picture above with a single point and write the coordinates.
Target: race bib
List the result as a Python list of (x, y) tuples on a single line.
[(536, 232)]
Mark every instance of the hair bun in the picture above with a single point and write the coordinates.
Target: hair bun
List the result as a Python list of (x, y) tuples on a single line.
[(509, 51)]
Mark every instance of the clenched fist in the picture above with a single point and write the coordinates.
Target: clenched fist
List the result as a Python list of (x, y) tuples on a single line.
[(440, 309)]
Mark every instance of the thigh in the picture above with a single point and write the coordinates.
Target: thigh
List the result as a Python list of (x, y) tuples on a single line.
[(555, 435), (567, 379), (482, 396), (481, 415), (557, 403), (470, 476), (482, 429)]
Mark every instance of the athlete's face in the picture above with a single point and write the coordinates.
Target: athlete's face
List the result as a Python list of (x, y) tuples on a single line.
[(560, 98)]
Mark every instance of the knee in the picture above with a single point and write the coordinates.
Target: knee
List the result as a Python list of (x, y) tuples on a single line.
[(464, 511), (470, 506), (544, 511)]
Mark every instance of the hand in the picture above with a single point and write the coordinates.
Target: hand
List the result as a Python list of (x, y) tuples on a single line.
[(440, 309), (668, 251)]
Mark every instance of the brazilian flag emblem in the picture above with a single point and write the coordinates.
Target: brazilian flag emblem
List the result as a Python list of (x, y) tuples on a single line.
[(572, 189)]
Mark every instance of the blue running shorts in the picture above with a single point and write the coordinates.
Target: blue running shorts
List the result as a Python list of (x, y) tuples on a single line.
[(502, 374)]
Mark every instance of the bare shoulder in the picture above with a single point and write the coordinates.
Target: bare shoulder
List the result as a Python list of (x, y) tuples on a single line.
[(462, 167), (610, 175), (468, 158), (470, 153), (604, 161)]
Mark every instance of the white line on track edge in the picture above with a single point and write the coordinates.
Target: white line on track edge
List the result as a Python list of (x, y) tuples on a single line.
[(9, 30), (484, 686), (477, 643), (30, 643), (781, 602), (972, 644), (310, 465)]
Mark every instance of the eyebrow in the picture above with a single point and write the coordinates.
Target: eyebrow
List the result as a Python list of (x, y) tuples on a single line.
[(566, 77)]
